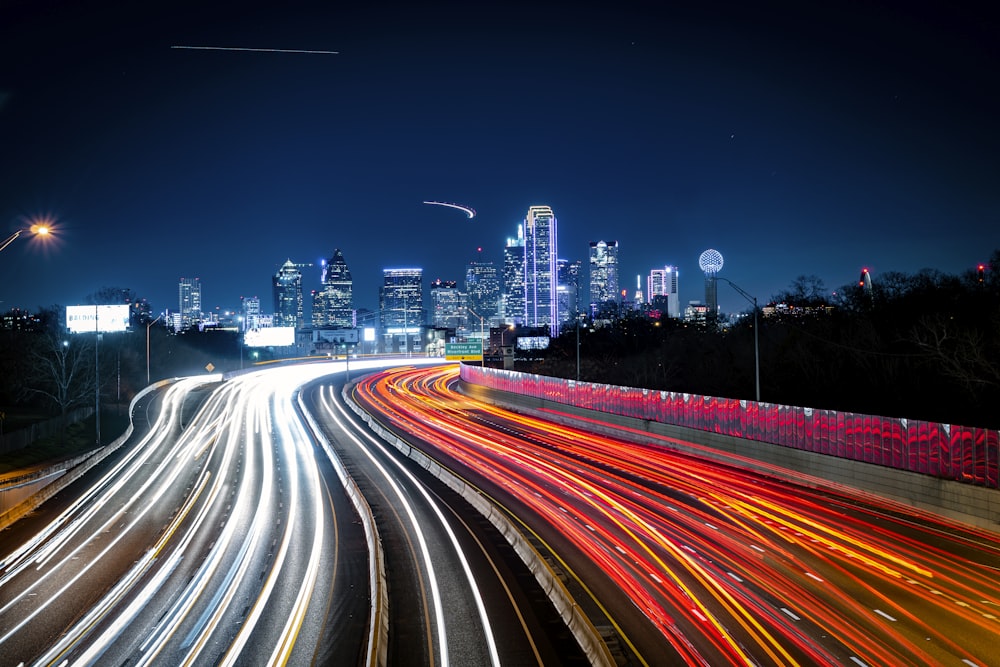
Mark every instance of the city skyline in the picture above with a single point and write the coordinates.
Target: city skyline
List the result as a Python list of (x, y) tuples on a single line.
[(794, 140)]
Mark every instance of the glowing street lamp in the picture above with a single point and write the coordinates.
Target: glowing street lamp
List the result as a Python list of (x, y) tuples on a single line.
[(38, 229)]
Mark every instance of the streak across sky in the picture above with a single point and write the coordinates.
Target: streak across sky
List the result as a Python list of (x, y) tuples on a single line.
[(259, 50), (468, 210)]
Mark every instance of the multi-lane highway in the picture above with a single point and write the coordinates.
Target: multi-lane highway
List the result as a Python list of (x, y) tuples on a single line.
[(700, 563), (257, 520), (219, 541)]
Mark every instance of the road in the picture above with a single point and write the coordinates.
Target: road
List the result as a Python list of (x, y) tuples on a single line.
[(223, 533), (216, 538), (459, 595), (694, 562)]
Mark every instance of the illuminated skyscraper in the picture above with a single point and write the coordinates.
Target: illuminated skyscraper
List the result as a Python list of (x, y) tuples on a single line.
[(568, 289), (662, 290), (287, 283), (603, 274), (512, 299), (448, 305), (540, 277), (482, 289), (401, 307), (189, 292), (333, 304), (251, 313)]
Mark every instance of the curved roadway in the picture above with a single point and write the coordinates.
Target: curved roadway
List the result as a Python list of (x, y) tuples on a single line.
[(694, 562)]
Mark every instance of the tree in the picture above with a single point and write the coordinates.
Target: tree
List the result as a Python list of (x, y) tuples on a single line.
[(804, 291), (61, 370)]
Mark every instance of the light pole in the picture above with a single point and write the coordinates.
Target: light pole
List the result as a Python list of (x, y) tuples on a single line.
[(482, 334), (147, 346), (756, 346), (347, 363), (39, 229), (97, 377)]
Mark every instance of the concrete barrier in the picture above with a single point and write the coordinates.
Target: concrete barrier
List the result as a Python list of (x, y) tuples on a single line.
[(586, 634), (974, 505)]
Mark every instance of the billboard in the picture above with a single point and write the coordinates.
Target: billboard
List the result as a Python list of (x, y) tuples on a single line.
[(100, 319), (270, 337)]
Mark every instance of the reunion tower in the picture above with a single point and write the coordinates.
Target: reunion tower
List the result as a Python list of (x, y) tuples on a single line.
[(710, 262)]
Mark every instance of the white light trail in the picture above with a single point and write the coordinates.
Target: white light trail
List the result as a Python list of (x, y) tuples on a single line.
[(466, 568), (256, 50), (468, 210)]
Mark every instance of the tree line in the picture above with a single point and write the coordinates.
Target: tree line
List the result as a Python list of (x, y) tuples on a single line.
[(921, 346)]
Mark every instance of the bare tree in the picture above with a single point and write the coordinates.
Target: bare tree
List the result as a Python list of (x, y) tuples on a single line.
[(958, 351), (61, 370)]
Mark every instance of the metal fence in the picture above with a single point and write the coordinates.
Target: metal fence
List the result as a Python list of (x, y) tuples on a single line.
[(949, 451)]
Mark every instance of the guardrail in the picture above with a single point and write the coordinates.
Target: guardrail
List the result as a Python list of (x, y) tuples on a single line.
[(948, 451)]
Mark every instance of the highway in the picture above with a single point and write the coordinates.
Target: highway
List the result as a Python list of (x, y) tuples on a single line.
[(216, 538), (223, 532), (695, 562), (454, 597)]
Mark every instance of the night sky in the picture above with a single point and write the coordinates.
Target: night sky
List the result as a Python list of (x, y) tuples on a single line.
[(795, 138)]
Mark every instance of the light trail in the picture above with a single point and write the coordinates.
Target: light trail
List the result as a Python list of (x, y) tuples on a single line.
[(336, 411), (256, 50), (714, 556), (468, 210)]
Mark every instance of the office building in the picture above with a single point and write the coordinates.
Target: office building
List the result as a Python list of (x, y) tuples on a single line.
[(662, 291), (189, 292), (287, 283), (512, 298), (401, 307), (540, 277), (333, 303), (568, 298), (482, 290), (603, 275), (449, 305), (251, 313)]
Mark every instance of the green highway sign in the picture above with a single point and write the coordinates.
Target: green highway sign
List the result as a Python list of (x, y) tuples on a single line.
[(463, 351)]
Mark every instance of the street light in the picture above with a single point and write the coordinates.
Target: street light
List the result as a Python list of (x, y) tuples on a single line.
[(147, 345), (482, 332), (756, 346), (38, 229)]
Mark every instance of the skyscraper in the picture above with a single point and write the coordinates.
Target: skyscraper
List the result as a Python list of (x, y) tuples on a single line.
[(287, 284), (482, 289), (189, 293), (448, 305), (569, 289), (512, 299), (401, 306), (251, 313), (662, 290), (540, 279), (603, 274), (333, 304)]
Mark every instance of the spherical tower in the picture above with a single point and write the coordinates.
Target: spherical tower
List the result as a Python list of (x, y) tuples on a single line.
[(710, 263)]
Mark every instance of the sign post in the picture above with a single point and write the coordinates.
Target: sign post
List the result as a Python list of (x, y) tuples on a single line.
[(463, 351)]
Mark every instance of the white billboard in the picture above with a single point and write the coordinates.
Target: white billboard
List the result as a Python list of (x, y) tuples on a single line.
[(270, 337), (102, 319)]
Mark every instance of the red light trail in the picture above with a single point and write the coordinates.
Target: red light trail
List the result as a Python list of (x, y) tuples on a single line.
[(727, 565)]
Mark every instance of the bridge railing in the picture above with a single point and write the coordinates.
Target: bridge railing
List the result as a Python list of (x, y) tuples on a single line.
[(950, 451)]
